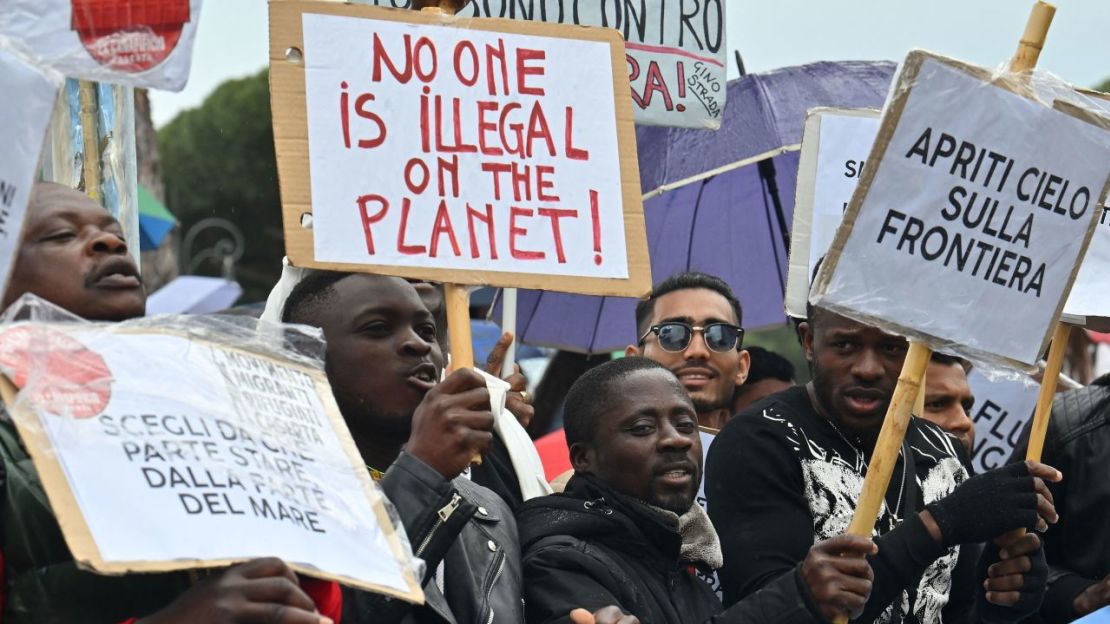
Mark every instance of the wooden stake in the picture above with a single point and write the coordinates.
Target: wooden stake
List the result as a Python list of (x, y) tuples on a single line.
[(911, 382), (90, 135), (1032, 40), (456, 296), (889, 443), (1025, 59), (457, 299), (1048, 390), (919, 404)]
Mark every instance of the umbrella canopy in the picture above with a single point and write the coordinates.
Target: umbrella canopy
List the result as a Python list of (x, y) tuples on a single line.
[(194, 294), (717, 202), (155, 221)]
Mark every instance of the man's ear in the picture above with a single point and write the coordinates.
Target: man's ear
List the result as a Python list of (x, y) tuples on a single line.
[(745, 367), (581, 458), (632, 351), (805, 331)]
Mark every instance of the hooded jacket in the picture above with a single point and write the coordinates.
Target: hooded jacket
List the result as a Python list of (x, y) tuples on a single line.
[(591, 547)]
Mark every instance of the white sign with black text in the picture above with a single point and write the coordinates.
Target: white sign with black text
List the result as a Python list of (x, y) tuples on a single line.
[(835, 144), (971, 218)]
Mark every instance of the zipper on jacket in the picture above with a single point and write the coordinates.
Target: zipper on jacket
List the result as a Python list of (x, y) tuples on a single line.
[(443, 514), (493, 583)]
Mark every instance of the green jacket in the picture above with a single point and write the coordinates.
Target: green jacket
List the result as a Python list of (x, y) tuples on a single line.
[(42, 582)]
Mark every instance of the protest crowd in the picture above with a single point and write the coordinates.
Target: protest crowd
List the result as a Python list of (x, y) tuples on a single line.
[(691, 478)]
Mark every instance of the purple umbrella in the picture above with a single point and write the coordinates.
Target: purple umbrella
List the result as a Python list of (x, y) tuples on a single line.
[(706, 209)]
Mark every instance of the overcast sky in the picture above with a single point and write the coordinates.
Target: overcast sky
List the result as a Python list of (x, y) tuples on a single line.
[(232, 37)]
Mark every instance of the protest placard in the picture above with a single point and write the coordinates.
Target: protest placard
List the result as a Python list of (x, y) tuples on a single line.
[(1089, 301), (835, 144), (676, 51), (142, 44), (190, 442), (29, 94), (458, 150), (969, 222), (1002, 408)]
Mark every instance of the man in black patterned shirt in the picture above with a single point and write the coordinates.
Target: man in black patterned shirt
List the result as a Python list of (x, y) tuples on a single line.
[(788, 471)]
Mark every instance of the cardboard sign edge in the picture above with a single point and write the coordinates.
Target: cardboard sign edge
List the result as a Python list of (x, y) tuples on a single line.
[(289, 108), (78, 536)]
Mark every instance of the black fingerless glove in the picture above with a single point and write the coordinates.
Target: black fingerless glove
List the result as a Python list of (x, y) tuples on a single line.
[(986, 506), (1032, 591)]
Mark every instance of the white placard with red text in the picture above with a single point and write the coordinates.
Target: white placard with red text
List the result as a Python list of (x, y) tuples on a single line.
[(462, 149), (676, 51)]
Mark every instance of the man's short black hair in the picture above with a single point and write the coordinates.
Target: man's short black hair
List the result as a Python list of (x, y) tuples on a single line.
[(592, 394), (948, 360), (768, 365), (688, 280), (314, 289)]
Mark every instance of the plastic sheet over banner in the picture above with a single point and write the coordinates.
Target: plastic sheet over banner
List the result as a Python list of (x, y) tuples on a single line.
[(220, 429), (980, 196), (29, 94), (141, 44)]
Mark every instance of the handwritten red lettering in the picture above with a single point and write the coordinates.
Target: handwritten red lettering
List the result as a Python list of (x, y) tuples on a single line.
[(402, 247), (523, 70), (443, 226), (555, 214), (370, 219), (515, 231)]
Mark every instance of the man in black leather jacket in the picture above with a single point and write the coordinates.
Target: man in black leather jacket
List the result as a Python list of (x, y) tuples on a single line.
[(1078, 546), (417, 435)]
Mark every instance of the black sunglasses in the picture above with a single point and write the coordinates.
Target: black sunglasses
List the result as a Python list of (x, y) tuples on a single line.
[(675, 336)]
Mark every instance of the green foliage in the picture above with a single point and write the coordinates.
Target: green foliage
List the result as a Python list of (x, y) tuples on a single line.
[(1104, 86), (218, 161)]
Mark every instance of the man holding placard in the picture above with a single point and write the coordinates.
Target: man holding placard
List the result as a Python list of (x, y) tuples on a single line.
[(73, 254), (789, 471), (417, 435)]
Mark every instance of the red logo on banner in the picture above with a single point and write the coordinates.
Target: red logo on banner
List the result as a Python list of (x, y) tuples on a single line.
[(129, 35), (57, 373)]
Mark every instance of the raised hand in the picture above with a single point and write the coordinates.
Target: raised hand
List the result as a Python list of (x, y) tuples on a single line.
[(452, 424), (991, 504), (517, 400), (838, 576)]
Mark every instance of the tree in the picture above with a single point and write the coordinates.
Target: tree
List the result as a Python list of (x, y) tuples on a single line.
[(1104, 86), (218, 161)]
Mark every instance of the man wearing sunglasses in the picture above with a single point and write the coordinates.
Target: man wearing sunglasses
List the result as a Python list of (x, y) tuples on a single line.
[(691, 325)]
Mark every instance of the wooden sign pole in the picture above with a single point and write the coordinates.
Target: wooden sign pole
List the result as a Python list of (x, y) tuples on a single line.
[(885, 455), (1025, 59), (456, 296), (1048, 391), (911, 380), (919, 404)]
